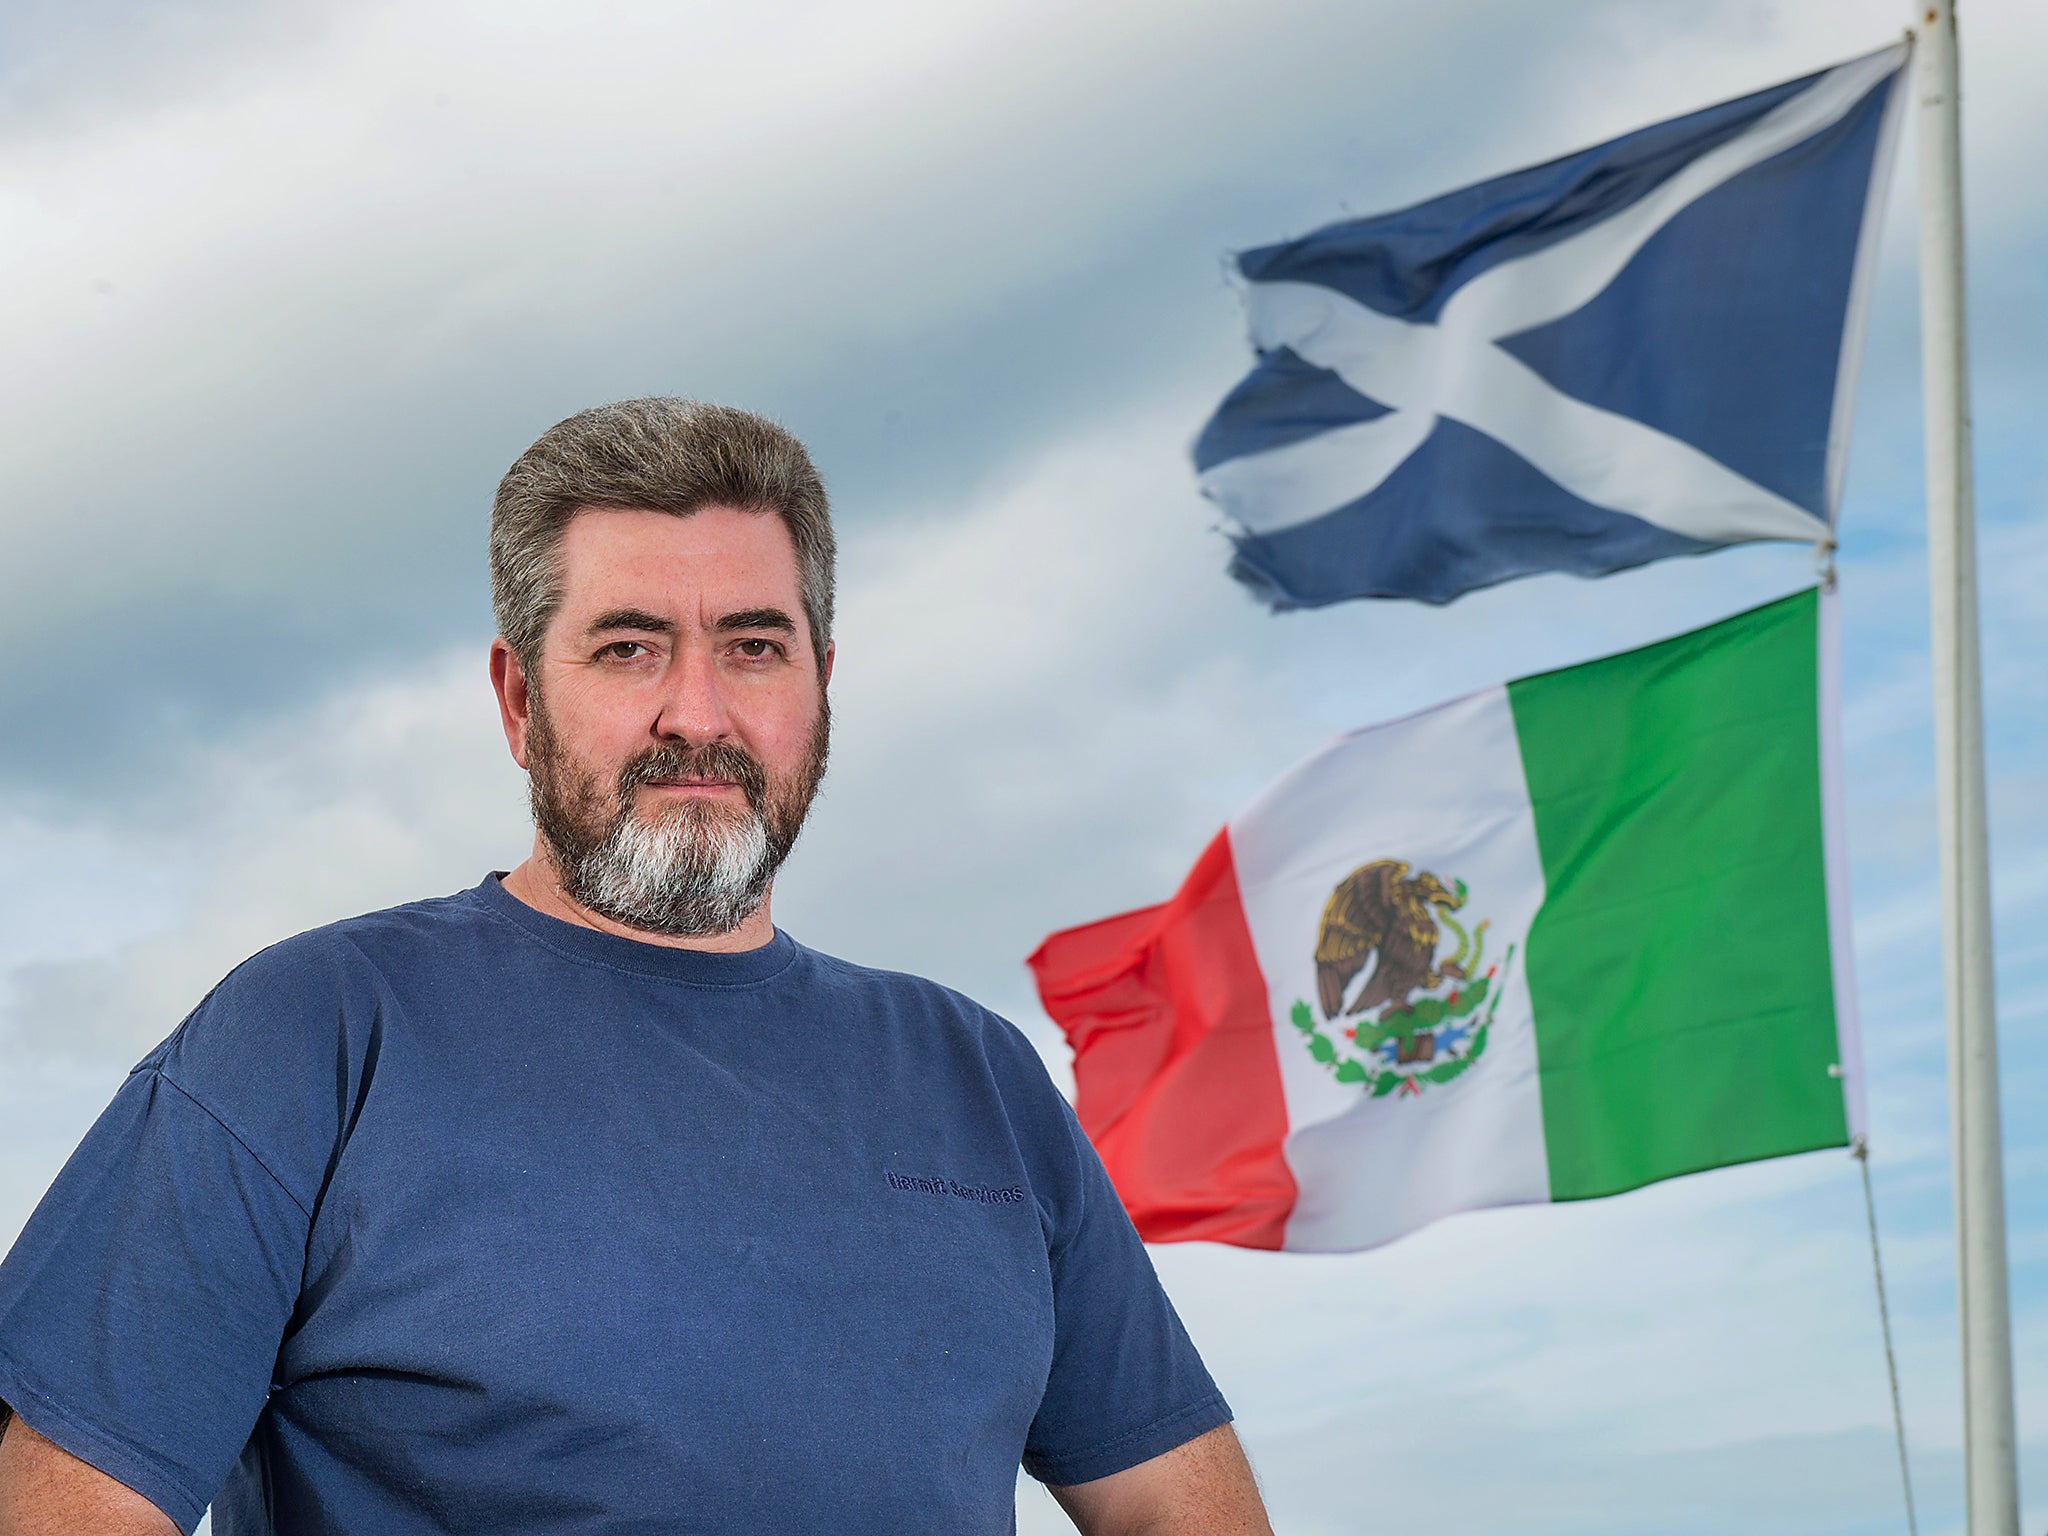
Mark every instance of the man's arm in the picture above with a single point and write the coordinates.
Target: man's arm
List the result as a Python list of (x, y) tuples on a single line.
[(1202, 1488), (45, 1491)]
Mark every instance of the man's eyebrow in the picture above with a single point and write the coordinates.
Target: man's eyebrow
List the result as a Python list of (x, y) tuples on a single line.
[(630, 618), (756, 618)]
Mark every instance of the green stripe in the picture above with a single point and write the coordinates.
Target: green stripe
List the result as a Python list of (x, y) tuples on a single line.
[(1678, 969)]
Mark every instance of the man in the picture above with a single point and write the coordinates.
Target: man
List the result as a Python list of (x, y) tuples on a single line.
[(586, 1200)]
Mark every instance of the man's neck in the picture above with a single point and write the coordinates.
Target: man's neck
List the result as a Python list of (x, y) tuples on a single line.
[(536, 883)]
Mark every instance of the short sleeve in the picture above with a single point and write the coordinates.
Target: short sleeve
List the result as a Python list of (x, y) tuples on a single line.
[(1126, 1383), (142, 1307)]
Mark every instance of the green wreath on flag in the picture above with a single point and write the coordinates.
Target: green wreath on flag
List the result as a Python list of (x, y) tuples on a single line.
[(1378, 1078)]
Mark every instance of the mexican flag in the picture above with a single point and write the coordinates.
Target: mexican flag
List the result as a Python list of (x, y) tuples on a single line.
[(1553, 940)]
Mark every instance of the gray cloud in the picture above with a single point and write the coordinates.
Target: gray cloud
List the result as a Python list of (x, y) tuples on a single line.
[(289, 310)]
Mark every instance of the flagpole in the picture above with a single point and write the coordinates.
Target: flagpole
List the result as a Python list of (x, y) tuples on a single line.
[(1991, 1476)]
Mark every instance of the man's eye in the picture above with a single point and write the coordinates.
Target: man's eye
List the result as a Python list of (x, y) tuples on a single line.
[(623, 650), (758, 650)]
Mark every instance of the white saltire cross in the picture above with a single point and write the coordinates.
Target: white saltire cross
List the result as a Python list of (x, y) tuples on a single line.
[(1452, 368)]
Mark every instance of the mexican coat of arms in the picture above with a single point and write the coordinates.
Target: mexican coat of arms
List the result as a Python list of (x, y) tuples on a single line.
[(1398, 1014)]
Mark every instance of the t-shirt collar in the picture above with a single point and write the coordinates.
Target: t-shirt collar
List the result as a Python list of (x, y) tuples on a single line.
[(699, 967)]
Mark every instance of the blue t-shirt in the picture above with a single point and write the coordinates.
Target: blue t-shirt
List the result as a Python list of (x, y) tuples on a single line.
[(460, 1218)]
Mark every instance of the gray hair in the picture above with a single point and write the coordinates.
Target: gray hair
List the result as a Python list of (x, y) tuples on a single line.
[(655, 455)]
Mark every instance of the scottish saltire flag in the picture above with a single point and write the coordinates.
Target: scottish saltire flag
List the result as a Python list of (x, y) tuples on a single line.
[(1644, 349), (1550, 941)]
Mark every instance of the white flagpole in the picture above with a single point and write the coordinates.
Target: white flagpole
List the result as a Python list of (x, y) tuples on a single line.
[(1988, 1436)]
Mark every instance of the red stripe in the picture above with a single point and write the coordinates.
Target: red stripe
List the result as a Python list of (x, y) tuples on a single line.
[(1178, 1084)]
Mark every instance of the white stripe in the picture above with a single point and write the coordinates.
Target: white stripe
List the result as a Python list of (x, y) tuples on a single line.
[(1454, 369), (1862, 279), (1616, 462), (1606, 459), (1320, 471), (1551, 283), (1443, 791)]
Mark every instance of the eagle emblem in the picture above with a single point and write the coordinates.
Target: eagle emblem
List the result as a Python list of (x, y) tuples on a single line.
[(1421, 1015)]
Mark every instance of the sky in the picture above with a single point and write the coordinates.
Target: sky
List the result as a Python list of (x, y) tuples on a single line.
[(287, 285)]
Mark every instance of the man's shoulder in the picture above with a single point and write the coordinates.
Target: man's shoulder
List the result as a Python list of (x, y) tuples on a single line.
[(363, 946), (264, 1050), (934, 1009), (303, 996), (900, 988), (430, 919)]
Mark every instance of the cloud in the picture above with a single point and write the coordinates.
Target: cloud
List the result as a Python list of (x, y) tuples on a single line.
[(276, 333), (393, 791), (296, 282)]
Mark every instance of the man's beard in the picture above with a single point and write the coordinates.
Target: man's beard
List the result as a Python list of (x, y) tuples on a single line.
[(701, 867)]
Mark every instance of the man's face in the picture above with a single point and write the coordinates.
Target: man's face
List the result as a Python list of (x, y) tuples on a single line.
[(676, 727)]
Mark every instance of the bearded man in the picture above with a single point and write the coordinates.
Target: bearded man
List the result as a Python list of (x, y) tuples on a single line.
[(586, 1200)]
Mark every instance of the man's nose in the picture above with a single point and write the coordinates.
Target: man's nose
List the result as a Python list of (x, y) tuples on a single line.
[(693, 706)]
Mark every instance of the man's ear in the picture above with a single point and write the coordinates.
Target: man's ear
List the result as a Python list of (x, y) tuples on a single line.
[(515, 698), (825, 670)]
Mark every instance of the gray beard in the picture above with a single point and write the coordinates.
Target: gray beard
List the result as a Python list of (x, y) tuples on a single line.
[(700, 869)]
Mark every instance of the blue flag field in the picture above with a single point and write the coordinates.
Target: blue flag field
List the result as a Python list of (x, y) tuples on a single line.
[(1641, 350)]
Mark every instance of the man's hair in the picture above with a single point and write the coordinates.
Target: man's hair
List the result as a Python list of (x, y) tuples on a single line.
[(654, 455)]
